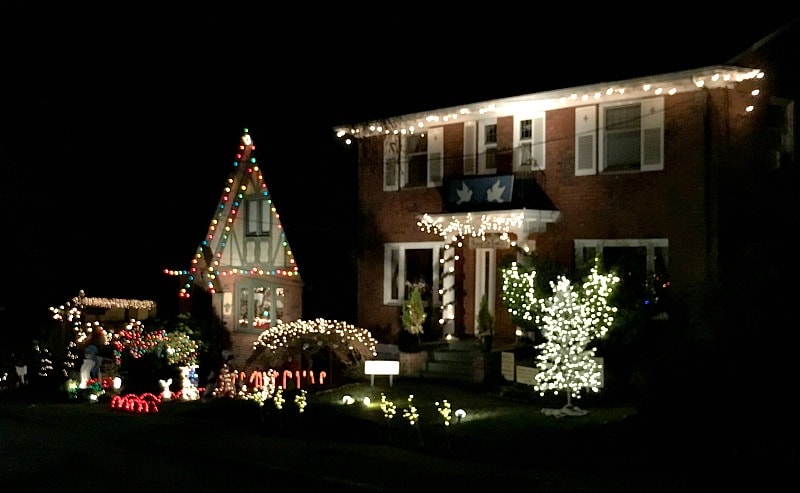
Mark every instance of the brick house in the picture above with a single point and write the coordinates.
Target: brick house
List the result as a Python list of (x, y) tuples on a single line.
[(664, 175)]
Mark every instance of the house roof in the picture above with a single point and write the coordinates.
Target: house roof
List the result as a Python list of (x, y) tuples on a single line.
[(204, 265), (669, 83)]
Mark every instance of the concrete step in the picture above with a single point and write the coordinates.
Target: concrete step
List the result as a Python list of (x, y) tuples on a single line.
[(453, 356), (456, 361)]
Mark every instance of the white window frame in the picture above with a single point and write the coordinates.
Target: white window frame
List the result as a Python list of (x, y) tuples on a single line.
[(649, 243), (485, 280), (406, 157), (391, 163), (435, 156), (483, 147), (399, 250), (651, 128), (245, 304), (258, 220), (590, 152), (532, 146), (470, 148), (396, 159)]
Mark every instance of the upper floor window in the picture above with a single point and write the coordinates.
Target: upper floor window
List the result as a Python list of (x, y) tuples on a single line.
[(780, 131), (258, 216), (487, 146), (529, 143), (621, 136), (413, 160)]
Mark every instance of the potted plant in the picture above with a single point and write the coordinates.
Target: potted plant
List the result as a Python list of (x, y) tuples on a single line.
[(485, 324), (414, 312)]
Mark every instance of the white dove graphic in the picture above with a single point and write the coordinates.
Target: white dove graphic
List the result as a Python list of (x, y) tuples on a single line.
[(495, 193), (464, 193)]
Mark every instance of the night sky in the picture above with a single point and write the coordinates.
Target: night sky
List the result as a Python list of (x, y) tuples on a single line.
[(119, 130)]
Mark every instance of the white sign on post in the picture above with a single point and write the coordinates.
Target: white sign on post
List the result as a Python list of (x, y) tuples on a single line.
[(381, 367), (507, 365), (527, 374)]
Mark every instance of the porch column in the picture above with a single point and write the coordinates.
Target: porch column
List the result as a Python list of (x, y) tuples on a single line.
[(448, 290)]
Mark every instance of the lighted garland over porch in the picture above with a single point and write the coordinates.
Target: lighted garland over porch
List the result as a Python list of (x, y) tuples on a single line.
[(453, 230)]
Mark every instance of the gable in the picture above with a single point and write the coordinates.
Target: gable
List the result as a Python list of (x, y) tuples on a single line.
[(245, 236)]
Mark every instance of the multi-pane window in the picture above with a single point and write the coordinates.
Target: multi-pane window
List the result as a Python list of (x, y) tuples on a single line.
[(639, 263), (490, 147), (412, 160), (487, 146), (259, 306), (623, 138), (406, 263), (529, 143), (620, 136), (258, 216), (525, 129), (391, 162)]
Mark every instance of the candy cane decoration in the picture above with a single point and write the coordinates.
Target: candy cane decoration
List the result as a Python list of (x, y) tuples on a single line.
[(284, 376)]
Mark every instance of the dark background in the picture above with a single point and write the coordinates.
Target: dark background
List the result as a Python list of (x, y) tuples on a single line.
[(119, 128)]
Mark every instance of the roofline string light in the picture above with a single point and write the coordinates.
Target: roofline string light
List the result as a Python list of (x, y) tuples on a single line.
[(671, 84), (243, 158)]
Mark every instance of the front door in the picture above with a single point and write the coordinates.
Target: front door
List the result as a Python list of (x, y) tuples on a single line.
[(485, 277)]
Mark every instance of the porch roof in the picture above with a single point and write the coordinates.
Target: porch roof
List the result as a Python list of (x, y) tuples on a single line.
[(479, 224)]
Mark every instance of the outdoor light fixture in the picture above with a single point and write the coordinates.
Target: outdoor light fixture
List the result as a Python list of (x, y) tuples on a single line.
[(460, 413)]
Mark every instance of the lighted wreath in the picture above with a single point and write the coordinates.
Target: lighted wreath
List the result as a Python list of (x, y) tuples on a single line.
[(282, 343)]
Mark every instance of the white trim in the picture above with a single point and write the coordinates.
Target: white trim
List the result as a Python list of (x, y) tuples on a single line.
[(651, 133), (470, 148), (437, 248), (650, 243), (483, 147), (391, 163), (671, 83), (586, 140), (435, 156), (536, 141), (485, 280)]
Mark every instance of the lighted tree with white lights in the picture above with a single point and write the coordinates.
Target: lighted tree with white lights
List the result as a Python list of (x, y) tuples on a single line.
[(571, 320)]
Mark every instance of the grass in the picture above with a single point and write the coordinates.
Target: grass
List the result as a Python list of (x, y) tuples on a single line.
[(610, 448)]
